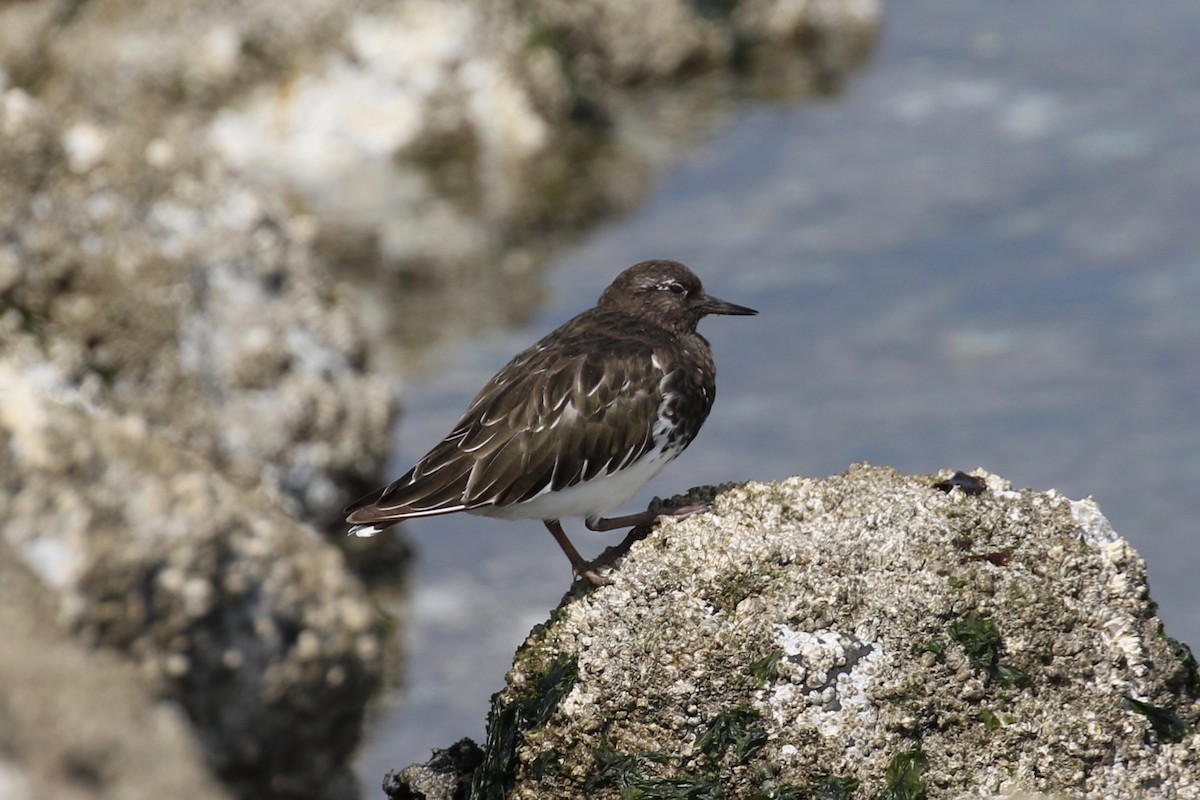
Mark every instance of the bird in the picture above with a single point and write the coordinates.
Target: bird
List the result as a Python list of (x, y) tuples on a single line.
[(576, 424)]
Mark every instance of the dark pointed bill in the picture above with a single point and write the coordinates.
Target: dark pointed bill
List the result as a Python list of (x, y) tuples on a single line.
[(715, 305)]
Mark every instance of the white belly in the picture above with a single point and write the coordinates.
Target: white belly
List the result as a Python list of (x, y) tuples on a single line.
[(587, 500)]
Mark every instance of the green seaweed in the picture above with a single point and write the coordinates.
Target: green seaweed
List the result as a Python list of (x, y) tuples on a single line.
[(1191, 671), (1166, 724), (936, 645), (738, 587), (547, 762), (902, 781), (624, 772), (980, 639), (508, 722), (784, 792), (834, 787), (763, 670), (740, 728), (737, 733)]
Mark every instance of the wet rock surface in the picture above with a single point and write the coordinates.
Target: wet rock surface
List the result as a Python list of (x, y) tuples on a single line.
[(447, 774), (859, 634)]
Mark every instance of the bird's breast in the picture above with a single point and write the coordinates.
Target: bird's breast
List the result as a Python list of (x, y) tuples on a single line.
[(688, 389)]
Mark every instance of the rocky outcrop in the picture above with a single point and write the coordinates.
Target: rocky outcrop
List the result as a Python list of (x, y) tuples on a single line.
[(174, 293), (225, 605), (481, 123), (74, 724), (179, 374), (859, 636), (181, 379)]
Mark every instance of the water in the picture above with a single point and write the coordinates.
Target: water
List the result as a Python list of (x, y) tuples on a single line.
[(985, 252)]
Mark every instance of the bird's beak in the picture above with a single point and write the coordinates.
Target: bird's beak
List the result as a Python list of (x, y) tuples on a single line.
[(715, 305)]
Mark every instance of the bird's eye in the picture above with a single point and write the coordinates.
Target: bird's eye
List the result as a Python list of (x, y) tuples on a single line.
[(676, 288)]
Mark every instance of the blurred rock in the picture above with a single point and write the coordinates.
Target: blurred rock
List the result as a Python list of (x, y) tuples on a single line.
[(446, 148), (810, 637), (179, 374), (225, 605), (167, 169), (75, 724), (195, 302), (461, 117)]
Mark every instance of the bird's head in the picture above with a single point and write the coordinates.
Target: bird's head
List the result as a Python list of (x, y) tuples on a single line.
[(668, 293)]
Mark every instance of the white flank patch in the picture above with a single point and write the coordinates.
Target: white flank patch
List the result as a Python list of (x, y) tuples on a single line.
[(589, 499)]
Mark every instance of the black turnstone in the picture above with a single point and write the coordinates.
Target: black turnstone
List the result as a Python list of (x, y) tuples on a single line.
[(574, 425)]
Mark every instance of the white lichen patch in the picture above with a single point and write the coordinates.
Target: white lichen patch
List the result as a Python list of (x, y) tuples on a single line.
[(823, 680), (1094, 527), (426, 77)]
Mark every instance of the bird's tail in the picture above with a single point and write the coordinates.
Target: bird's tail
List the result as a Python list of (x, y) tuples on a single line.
[(366, 531)]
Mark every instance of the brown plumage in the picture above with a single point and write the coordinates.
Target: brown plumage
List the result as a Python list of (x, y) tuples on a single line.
[(575, 424)]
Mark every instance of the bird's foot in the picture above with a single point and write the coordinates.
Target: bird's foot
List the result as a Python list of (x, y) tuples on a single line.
[(587, 571), (651, 515), (659, 509), (584, 569), (639, 525)]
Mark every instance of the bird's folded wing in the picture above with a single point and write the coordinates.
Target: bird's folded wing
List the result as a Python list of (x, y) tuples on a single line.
[(548, 420)]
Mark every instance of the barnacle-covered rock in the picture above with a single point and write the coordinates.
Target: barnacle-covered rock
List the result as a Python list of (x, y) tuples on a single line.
[(865, 630)]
